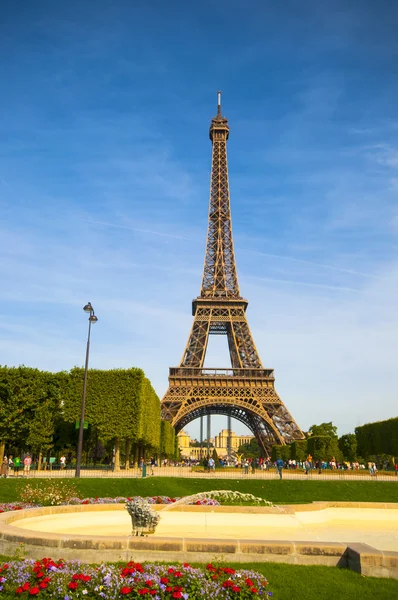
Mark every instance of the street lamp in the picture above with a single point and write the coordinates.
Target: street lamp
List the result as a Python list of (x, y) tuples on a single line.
[(92, 319)]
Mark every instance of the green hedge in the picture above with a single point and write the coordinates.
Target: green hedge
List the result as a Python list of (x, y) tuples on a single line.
[(323, 447), (378, 438)]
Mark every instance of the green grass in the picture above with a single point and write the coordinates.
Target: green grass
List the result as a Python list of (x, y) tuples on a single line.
[(279, 492), (297, 582)]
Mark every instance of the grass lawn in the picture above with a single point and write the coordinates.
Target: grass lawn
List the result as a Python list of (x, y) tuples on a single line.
[(279, 492), (296, 582)]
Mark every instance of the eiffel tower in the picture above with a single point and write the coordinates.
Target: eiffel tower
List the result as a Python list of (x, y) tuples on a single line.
[(245, 391)]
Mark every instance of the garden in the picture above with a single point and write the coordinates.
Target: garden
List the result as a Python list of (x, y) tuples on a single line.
[(68, 580)]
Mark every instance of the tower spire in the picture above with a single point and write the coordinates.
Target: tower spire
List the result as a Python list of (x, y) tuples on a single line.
[(219, 273)]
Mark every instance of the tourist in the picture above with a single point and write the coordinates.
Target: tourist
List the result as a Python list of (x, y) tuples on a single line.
[(63, 462), (10, 465), (246, 466), (26, 464), (307, 467), (4, 467), (17, 464), (279, 465), (212, 464), (153, 463)]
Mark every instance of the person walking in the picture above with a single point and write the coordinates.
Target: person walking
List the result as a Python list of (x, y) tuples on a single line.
[(4, 467), (246, 467), (279, 466), (62, 461), (17, 464), (153, 463), (10, 465), (26, 464)]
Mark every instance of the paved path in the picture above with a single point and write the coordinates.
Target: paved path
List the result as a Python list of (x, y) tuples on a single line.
[(226, 473)]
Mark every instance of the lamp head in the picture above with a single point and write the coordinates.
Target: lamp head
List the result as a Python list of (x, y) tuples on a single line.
[(88, 307), (93, 318)]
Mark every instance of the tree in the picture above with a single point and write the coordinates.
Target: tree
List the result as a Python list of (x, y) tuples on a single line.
[(324, 429), (323, 447), (23, 391), (378, 438), (167, 439), (280, 451), (120, 404), (41, 430), (348, 446), (250, 450), (299, 450)]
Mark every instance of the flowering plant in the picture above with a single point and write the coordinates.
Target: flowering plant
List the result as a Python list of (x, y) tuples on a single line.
[(62, 580), (74, 500), (49, 493)]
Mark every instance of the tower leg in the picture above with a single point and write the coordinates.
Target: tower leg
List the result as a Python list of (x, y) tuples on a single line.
[(201, 438), (208, 434), (229, 439)]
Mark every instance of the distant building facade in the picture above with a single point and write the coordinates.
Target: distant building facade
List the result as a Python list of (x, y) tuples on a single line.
[(190, 449)]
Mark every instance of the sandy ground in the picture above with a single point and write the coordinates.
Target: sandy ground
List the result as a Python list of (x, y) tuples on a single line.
[(376, 527)]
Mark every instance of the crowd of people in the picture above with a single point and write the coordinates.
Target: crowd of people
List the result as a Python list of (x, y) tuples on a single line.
[(12, 465)]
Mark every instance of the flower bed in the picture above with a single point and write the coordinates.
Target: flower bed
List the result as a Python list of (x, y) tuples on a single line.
[(72, 580), (118, 500)]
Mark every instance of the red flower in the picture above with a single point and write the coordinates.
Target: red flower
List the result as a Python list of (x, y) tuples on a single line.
[(75, 576), (169, 589), (34, 590), (153, 592), (235, 588), (177, 595), (148, 583), (19, 590), (164, 580), (170, 571), (249, 582), (125, 590), (186, 565), (254, 590), (26, 586), (86, 578), (43, 585), (73, 585), (143, 591), (6, 566), (40, 574), (177, 574)]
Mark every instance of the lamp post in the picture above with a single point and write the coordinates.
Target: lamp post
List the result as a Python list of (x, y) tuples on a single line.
[(92, 319)]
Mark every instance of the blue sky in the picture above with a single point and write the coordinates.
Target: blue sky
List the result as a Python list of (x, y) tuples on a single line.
[(104, 184)]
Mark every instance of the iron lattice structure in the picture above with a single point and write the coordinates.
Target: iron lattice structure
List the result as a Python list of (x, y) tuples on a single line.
[(246, 390)]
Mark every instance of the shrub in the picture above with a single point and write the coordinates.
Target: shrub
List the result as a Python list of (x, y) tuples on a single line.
[(49, 493)]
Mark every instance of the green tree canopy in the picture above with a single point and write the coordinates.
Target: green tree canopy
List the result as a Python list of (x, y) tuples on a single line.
[(348, 446), (250, 450), (323, 429)]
